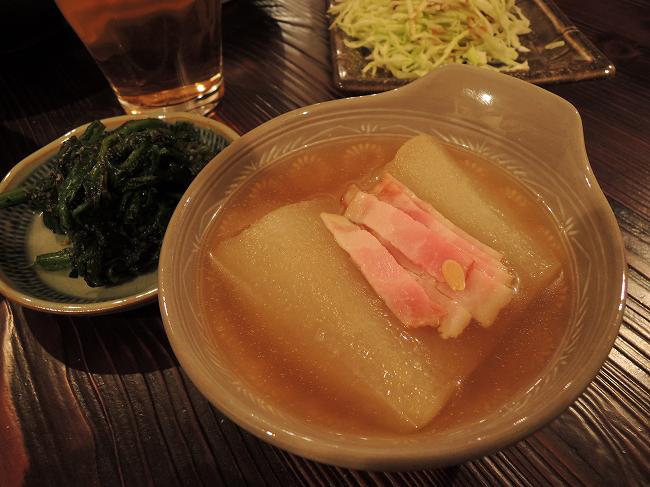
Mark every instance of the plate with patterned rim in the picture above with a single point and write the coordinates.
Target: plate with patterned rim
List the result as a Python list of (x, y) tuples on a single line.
[(575, 60), (23, 236)]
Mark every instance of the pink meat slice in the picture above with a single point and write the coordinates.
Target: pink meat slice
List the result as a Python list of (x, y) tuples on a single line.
[(484, 296), (417, 242), (402, 202), (482, 299), (456, 317), (394, 285), (395, 193), (485, 293)]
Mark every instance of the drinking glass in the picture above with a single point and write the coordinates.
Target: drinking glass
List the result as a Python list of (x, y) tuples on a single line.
[(158, 55)]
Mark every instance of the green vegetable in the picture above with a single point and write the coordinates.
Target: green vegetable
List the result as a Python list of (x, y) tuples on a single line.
[(13, 197), (410, 38), (112, 194), (55, 261)]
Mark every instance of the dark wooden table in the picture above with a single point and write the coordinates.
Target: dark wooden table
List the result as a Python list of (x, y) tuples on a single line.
[(103, 401)]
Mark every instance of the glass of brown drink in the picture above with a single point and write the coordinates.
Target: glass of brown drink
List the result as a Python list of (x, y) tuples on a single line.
[(158, 55)]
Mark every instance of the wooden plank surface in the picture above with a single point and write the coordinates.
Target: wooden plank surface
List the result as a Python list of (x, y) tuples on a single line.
[(102, 400)]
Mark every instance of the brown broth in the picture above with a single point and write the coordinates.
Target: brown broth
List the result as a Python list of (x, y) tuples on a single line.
[(328, 169)]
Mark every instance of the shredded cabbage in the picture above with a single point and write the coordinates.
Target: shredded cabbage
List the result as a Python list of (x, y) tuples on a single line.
[(409, 38), (554, 45)]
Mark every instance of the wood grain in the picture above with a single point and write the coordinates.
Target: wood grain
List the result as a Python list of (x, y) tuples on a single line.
[(102, 400), (13, 461)]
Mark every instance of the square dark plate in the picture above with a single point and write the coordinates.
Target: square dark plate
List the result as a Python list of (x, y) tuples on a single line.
[(578, 59)]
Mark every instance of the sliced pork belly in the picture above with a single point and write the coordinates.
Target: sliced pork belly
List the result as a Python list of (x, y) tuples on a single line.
[(396, 194), (392, 191), (447, 233), (413, 300), (417, 242), (457, 317), (396, 287), (482, 299), (481, 294)]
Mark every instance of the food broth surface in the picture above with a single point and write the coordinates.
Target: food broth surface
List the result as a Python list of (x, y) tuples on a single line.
[(329, 169)]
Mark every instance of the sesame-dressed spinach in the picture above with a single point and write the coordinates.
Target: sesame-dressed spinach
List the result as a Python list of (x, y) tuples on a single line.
[(112, 194)]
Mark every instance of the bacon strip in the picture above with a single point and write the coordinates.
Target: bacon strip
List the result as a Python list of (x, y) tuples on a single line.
[(398, 195), (483, 296), (457, 317), (394, 285), (417, 242), (485, 293), (402, 245)]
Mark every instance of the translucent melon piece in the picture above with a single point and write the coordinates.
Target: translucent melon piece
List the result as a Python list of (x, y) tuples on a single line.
[(425, 167), (314, 304)]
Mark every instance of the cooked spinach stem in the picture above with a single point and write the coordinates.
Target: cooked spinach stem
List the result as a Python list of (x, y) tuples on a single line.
[(93, 133), (112, 194), (144, 124), (55, 261), (14, 197), (132, 161)]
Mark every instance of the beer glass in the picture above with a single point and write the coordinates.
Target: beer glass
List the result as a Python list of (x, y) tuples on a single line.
[(158, 55)]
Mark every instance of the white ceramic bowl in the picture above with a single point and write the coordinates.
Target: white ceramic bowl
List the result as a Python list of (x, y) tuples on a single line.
[(23, 235), (528, 131)]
